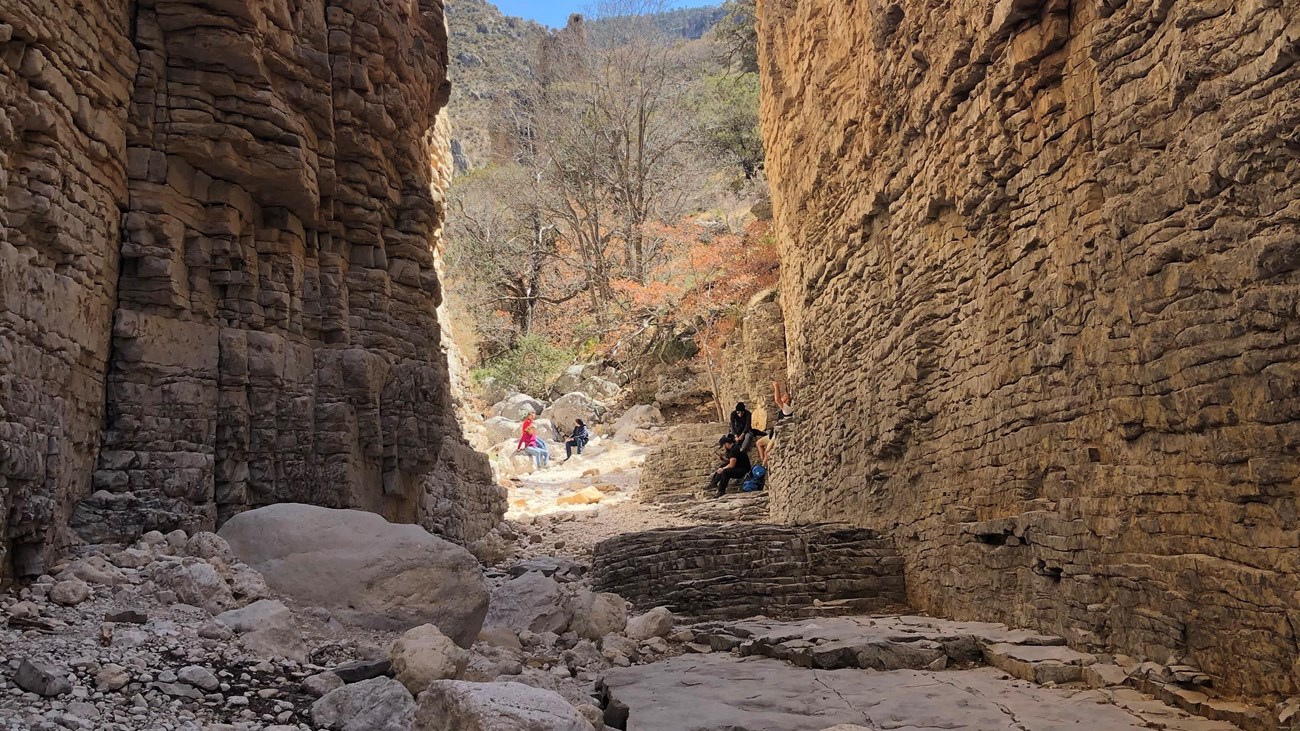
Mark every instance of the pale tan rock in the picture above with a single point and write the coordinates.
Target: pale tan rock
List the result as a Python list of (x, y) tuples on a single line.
[(423, 655), (585, 496)]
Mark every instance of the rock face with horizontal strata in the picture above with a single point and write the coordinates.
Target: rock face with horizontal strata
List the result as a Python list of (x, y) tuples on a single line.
[(1040, 281), (218, 241), (744, 570)]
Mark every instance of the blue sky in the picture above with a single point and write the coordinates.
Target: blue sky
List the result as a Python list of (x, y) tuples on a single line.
[(555, 13)]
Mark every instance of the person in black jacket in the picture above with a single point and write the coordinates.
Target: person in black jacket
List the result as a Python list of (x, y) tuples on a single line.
[(577, 439), (735, 465), (741, 424)]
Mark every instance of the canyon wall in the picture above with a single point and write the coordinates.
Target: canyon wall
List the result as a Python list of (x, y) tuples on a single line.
[(218, 242), (1041, 281)]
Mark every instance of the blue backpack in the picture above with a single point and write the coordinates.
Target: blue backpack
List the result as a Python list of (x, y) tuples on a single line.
[(756, 480)]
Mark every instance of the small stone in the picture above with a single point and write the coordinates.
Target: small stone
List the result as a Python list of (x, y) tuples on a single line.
[(70, 592), (179, 690), (199, 677), (24, 610), (359, 670), (127, 616), (322, 683), (112, 677)]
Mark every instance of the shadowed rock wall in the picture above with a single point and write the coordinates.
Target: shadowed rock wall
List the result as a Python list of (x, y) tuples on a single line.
[(65, 80), (1041, 281), (232, 258)]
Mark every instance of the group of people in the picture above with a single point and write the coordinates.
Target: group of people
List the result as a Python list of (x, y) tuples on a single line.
[(534, 446), (749, 430)]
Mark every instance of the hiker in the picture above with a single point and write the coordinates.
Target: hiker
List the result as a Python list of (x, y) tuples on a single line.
[(735, 465), (784, 402), (524, 428), (741, 421), (577, 439), (534, 447)]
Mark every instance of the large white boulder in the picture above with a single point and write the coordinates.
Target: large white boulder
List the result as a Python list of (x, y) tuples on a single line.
[(458, 705), (531, 602), (380, 704), (517, 407), (362, 568), (573, 406)]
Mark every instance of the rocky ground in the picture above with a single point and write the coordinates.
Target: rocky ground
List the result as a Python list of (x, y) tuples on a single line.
[(201, 633)]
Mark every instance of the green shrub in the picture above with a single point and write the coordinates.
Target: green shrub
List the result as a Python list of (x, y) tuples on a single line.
[(529, 366)]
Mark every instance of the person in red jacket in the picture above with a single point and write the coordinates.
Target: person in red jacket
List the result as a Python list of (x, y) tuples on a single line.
[(523, 431)]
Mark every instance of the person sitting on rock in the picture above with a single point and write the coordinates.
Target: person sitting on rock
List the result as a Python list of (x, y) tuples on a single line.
[(784, 402), (741, 421), (535, 447), (523, 430), (577, 439), (735, 465)]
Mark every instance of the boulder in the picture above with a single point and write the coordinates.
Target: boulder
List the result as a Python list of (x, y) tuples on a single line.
[(457, 705), (70, 592), (93, 570), (635, 419), (207, 545), (273, 643), (570, 380), (657, 622), (258, 615), (531, 602), (517, 407), (424, 655), (381, 704), (195, 582), (41, 679), (502, 637), (365, 570), (599, 388), (598, 614), (493, 390), (500, 429), (575, 406)]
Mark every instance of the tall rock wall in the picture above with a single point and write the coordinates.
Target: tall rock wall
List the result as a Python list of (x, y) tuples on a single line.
[(218, 241), (65, 81), (1041, 279)]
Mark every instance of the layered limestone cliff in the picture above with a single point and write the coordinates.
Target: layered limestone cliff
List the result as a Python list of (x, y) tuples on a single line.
[(217, 236), (1041, 278)]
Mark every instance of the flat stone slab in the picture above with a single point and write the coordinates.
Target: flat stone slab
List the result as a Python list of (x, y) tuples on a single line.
[(898, 642), (722, 692)]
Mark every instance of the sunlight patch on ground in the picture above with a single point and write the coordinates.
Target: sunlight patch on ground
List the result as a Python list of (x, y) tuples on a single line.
[(617, 467)]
